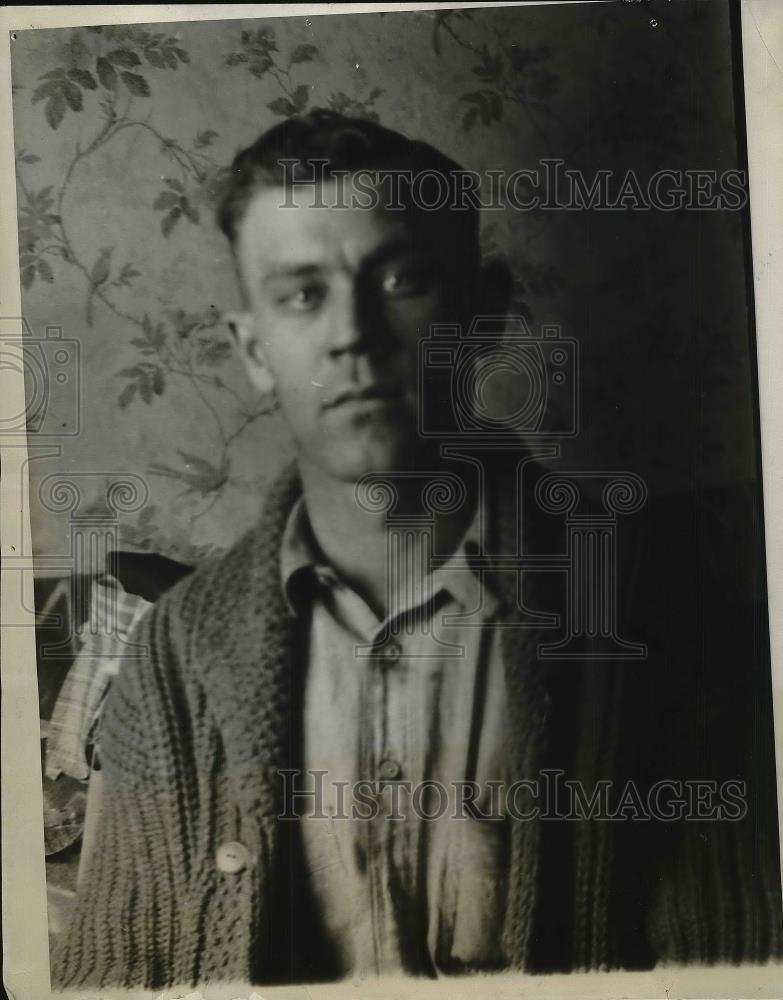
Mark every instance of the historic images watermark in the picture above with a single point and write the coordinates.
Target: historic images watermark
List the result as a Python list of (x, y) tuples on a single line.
[(551, 795), (549, 186)]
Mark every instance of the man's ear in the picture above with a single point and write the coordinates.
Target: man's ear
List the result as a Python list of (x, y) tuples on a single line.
[(496, 287), (248, 343)]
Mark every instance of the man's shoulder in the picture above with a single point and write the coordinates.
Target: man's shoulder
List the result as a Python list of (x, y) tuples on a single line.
[(229, 587), (191, 623), (216, 583)]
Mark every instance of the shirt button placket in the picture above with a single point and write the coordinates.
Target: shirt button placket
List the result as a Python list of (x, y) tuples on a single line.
[(388, 768)]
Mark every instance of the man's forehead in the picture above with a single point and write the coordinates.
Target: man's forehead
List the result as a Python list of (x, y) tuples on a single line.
[(301, 226)]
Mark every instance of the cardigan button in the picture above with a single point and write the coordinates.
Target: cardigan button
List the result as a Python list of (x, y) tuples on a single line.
[(232, 857)]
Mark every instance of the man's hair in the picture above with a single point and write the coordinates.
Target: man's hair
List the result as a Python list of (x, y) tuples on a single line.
[(344, 144)]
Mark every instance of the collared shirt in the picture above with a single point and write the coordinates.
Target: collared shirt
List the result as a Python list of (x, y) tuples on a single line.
[(397, 712)]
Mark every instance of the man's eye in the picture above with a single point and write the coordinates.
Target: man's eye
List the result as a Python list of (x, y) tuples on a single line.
[(405, 282), (303, 299)]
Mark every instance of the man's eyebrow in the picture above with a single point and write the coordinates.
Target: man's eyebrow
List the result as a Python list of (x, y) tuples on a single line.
[(388, 251), (291, 271), (376, 258)]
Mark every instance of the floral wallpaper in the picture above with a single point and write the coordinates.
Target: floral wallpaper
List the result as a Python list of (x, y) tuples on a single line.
[(123, 136)]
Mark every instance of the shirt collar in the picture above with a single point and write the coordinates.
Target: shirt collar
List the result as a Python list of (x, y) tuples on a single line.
[(459, 577), (300, 558), (303, 567)]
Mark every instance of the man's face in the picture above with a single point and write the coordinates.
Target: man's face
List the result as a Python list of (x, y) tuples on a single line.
[(337, 302)]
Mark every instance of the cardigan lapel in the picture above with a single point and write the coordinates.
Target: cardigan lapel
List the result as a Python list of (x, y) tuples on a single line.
[(247, 649), (528, 703), (562, 715)]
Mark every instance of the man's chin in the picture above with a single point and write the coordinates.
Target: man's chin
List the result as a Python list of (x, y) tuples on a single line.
[(350, 460)]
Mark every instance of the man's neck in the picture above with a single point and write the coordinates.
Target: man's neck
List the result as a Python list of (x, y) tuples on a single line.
[(354, 539)]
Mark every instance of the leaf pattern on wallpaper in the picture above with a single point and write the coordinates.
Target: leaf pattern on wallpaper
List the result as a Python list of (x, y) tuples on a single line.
[(198, 474), (357, 106), (260, 56), (64, 88), (507, 74), (106, 75), (177, 202)]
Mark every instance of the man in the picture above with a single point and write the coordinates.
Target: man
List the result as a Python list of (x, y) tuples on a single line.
[(317, 649)]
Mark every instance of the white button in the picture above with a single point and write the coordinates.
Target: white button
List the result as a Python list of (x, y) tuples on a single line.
[(232, 857)]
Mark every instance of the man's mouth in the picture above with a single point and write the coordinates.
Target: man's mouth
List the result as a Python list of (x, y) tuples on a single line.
[(363, 394)]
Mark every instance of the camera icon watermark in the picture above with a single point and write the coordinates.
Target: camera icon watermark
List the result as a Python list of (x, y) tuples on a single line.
[(498, 380), (51, 369)]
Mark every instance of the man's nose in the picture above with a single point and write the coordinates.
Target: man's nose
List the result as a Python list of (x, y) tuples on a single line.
[(349, 327), (360, 324)]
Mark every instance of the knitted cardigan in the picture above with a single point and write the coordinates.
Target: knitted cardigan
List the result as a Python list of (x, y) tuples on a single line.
[(193, 738)]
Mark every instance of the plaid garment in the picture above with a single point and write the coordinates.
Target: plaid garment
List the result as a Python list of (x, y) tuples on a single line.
[(101, 641)]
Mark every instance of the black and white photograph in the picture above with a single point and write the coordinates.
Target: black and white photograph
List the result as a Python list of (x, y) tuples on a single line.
[(396, 581)]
